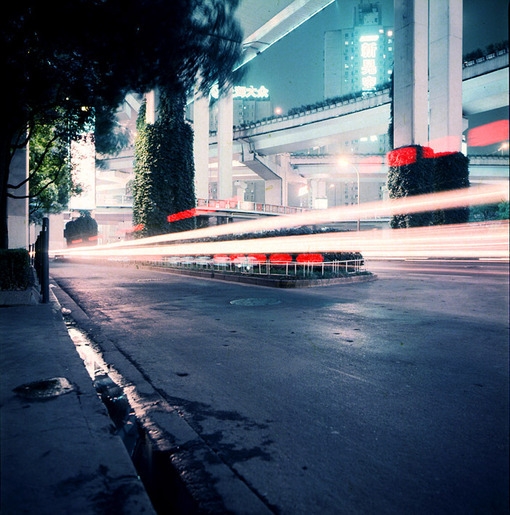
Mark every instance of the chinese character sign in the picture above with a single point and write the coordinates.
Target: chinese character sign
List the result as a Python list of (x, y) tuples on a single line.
[(368, 53), (368, 50), (249, 92)]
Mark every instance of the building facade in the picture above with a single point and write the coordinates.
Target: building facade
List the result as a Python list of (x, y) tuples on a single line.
[(251, 104), (360, 58)]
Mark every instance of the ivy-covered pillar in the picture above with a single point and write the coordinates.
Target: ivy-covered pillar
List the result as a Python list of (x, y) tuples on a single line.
[(417, 170), (410, 173), (451, 172), (427, 74), (163, 188)]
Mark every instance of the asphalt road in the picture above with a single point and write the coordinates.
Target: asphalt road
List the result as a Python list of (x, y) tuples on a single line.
[(385, 397)]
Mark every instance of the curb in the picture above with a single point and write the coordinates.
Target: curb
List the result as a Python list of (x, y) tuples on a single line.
[(255, 280), (265, 281), (178, 468)]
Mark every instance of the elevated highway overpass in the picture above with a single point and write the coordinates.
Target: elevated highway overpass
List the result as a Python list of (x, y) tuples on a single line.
[(280, 150), (485, 87)]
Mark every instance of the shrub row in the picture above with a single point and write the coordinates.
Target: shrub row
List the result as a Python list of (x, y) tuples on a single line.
[(15, 270)]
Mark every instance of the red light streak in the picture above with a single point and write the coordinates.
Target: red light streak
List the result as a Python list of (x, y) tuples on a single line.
[(188, 213), (489, 134)]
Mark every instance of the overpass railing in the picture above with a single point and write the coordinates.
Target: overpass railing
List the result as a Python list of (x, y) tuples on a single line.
[(483, 58), (213, 204)]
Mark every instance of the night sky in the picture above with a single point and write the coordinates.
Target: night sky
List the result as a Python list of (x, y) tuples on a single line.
[(292, 69)]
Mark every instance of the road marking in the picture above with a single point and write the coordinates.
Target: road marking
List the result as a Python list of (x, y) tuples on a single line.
[(352, 376)]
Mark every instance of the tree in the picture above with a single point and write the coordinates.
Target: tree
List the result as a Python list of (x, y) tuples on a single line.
[(486, 212), (50, 178), (76, 61), (164, 169)]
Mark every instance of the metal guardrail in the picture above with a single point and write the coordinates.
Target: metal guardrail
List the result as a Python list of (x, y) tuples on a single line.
[(483, 58), (254, 267)]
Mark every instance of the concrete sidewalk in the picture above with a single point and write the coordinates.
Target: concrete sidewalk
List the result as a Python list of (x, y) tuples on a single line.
[(58, 451)]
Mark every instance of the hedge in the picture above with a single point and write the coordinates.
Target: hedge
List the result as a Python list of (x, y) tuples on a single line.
[(15, 270)]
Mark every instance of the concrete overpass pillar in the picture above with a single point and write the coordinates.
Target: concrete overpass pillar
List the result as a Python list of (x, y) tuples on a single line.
[(240, 192), (152, 106), (319, 195), (201, 145), (445, 75), (410, 73), (225, 139), (428, 74), (273, 192)]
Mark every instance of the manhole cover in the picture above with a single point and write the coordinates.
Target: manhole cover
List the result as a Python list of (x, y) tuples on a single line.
[(45, 388), (255, 302)]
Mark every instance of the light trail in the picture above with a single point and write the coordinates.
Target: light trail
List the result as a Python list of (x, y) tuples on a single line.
[(487, 240), (466, 240)]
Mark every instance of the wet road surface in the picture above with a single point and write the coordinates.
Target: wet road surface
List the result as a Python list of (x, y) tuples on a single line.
[(382, 397)]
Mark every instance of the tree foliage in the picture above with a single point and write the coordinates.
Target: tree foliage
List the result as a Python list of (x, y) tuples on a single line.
[(487, 212), (164, 169), (51, 183), (76, 60)]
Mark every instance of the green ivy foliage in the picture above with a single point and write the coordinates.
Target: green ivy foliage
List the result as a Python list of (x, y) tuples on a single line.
[(410, 179), (164, 169), (428, 174), (451, 172)]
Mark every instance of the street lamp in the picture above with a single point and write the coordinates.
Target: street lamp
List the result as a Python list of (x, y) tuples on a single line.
[(504, 146), (343, 163)]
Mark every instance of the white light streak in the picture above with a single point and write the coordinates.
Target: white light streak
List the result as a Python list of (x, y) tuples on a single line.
[(482, 240)]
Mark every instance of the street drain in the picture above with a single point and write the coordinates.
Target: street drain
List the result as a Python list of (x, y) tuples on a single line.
[(44, 388), (255, 302), (162, 482)]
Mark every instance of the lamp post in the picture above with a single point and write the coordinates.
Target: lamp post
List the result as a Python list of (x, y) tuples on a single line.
[(344, 162)]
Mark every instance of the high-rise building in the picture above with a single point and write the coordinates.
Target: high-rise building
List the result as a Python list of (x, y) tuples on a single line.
[(358, 59)]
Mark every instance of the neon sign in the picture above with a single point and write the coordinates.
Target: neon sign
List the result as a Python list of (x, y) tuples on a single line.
[(244, 92), (368, 52)]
